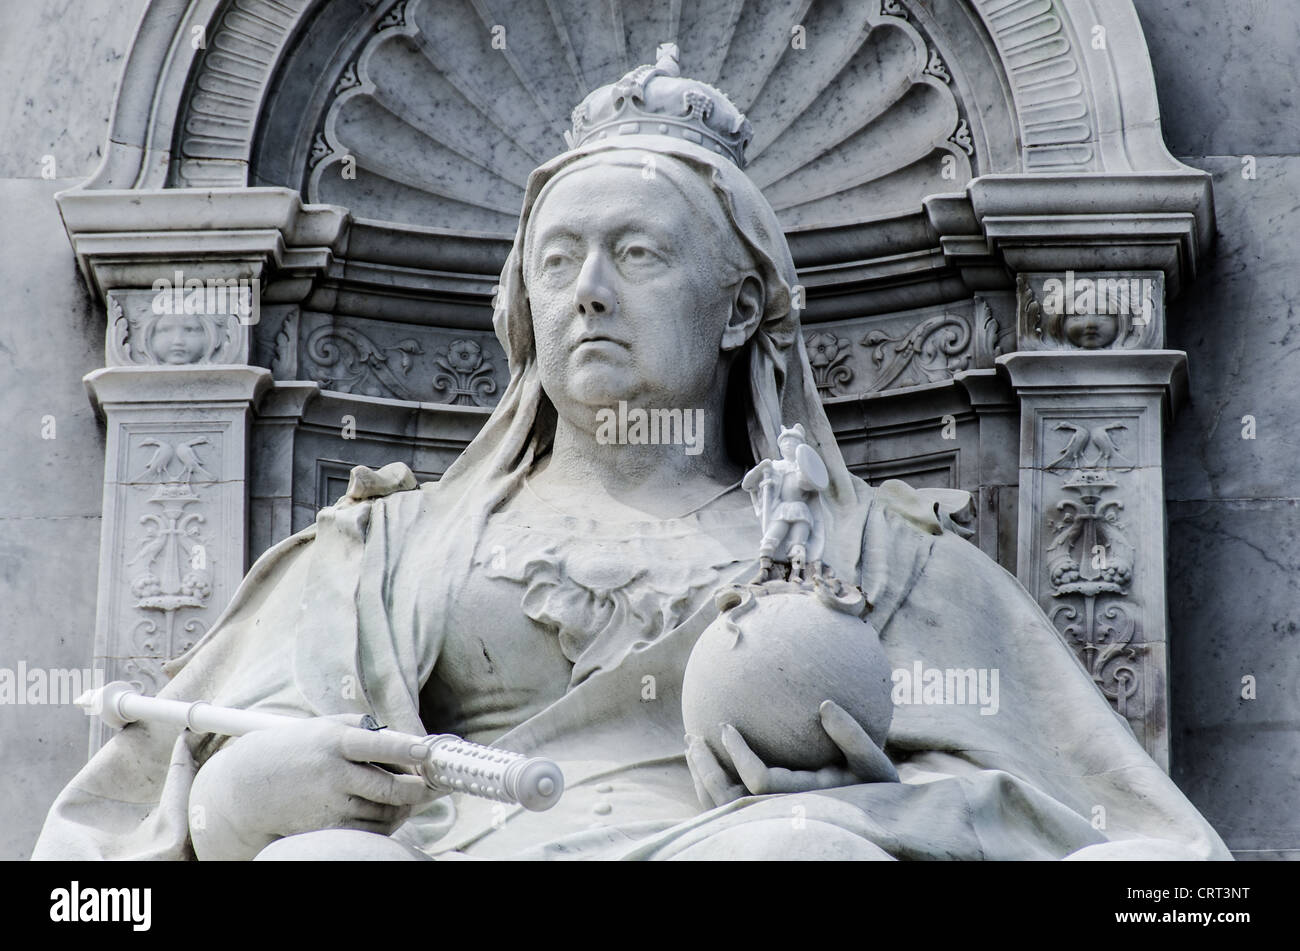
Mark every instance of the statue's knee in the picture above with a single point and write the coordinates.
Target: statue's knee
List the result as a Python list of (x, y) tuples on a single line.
[(331, 845), (784, 840)]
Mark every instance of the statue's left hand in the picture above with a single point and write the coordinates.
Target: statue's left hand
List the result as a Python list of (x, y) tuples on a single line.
[(866, 763)]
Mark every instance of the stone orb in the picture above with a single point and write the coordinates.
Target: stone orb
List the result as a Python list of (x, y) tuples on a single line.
[(766, 666)]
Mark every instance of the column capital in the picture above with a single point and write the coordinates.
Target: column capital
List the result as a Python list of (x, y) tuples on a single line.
[(184, 385), (1066, 372)]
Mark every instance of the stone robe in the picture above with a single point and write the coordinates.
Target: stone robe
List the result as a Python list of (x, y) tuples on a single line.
[(343, 617)]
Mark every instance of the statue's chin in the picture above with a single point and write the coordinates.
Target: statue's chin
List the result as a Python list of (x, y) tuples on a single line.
[(602, 386)]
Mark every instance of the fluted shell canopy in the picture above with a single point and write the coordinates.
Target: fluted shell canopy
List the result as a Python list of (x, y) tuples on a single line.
[(451, 104)]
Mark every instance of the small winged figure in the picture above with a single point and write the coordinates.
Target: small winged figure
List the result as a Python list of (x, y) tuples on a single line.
[(788, 501)]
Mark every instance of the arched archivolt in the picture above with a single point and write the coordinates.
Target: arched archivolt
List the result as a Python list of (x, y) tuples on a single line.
[(882, 107)]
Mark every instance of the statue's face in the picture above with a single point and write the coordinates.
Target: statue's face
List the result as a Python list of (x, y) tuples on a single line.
[(179, 339), (622, 280), (1091, 331)]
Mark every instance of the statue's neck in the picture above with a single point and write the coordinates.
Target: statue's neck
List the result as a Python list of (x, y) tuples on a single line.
[(656, 463)]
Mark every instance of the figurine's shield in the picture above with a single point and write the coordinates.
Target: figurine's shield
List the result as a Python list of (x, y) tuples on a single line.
[(812, 467)]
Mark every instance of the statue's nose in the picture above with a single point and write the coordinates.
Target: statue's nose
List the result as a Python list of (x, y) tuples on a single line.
[(594, 297)]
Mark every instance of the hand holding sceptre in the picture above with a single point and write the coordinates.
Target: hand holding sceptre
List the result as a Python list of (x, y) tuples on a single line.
[(446, 763)]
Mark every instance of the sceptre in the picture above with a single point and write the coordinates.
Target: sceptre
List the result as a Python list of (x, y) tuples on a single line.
[(445, 762)]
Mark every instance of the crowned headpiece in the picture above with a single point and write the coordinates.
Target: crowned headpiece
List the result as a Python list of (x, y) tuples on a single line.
[(656, 100)]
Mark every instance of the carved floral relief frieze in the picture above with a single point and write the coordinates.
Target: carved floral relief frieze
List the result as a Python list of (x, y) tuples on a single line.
[(933, 350), (394, 362), (350, 362), (1090, 558), (828, 354), (846, 361), (465, 375)]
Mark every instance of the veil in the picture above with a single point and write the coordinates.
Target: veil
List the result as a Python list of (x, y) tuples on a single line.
[(780, 390)]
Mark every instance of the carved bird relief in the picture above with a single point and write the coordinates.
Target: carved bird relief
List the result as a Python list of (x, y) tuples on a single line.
[(1098, 438), (159, 466)]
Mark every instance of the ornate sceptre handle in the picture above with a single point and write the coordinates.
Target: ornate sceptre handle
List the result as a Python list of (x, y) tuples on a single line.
[(445, 762)]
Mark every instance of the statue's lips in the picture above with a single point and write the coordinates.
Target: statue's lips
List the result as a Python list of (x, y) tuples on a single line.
[(600, 341)]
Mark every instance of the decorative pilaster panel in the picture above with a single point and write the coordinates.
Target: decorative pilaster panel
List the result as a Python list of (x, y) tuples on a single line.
[(1091, 542), (172, 545)]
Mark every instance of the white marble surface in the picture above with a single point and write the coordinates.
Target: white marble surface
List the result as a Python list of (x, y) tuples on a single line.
[(59, 65), (1225, 93), (58, 70), (1225, 75)]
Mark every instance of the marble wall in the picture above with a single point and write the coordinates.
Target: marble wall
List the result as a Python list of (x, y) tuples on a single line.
[(59, 65), (1227, 92)]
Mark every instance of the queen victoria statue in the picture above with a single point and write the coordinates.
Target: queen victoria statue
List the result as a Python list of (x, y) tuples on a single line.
[(546, 595)]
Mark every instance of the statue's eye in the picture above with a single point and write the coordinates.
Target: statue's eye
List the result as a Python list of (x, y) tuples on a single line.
[(556, 259), (638, 254)]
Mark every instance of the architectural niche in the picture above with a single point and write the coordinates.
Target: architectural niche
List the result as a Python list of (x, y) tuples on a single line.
[(939, 168)]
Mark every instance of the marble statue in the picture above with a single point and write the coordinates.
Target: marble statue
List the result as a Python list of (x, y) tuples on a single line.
[(545, 596), (785, 492)]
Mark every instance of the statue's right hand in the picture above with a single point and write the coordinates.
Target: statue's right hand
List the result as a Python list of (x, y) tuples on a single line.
[(291, 779)]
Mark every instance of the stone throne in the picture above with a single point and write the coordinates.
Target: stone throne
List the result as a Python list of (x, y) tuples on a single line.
[(942, 169)]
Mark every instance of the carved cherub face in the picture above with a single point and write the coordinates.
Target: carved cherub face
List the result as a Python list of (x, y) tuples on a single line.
[(1090, 331), (623, 280), (178, 339)]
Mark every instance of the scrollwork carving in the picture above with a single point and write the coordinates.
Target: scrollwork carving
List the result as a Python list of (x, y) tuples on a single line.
[(935, 67), (348, 80), (320, 150), (1092, 569), (961, 137), (994, 340), (1102, 632), (394, 18), (350, 362), (933, 350), (173, 559)]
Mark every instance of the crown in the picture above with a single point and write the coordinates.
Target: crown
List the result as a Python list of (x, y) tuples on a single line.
[(656, 100)]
